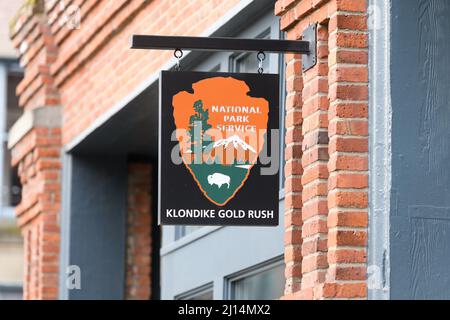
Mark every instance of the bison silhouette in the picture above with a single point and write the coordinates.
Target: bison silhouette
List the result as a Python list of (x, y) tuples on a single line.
[(219, 180)]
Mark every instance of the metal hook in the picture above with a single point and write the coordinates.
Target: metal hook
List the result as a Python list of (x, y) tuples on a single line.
[(178, 54), (261, 57)]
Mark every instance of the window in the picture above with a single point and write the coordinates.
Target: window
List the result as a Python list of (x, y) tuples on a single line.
[(263, 283), (10, 292), (202, 293), (10, 182)]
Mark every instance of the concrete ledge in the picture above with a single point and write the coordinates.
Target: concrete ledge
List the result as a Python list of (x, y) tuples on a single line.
[(48, 117)]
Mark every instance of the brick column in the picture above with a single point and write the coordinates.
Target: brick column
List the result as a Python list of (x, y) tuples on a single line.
[(348, 130), (332, 98), (293, 174), (138, 269), (35, 142), (315, 175), (38, 159)]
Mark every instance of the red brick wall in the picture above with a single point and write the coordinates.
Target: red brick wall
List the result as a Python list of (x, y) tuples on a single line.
[(138, 268), (326, 153), (37, 157), (86, 71), (97, 60)]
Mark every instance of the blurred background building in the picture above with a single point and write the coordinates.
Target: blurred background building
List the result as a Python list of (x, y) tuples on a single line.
[(11, 243)]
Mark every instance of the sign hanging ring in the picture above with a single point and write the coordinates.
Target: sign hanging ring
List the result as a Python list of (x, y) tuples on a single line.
[(178, 54), (261, 57)]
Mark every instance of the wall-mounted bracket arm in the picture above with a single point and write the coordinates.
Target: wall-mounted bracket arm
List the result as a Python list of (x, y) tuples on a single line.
[(306, 47)]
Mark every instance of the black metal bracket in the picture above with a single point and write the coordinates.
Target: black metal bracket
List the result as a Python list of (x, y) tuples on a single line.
[(310, 35), (307, 47), (219, 44)]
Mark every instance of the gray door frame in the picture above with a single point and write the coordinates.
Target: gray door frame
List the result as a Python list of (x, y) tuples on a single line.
[(93, 227)]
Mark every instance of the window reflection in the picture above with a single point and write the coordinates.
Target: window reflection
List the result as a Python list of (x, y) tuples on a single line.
[(265, 285)]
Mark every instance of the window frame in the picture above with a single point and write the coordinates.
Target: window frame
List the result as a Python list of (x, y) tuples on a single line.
[(190, 294), (248, 272)]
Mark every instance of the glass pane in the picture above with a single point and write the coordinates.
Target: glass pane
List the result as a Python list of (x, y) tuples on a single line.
[(265, 285), (208, 295), (198, 294)]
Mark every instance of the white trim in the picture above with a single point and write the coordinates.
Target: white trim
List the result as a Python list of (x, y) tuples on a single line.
[(380, 155), (65, 223)]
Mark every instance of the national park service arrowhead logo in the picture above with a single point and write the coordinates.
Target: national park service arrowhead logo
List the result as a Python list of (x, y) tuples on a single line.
[(221, 131)]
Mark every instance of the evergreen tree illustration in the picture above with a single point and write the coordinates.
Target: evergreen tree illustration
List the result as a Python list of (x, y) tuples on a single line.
[(200, 118)]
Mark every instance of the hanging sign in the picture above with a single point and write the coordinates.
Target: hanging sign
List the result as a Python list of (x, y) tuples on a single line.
[(219, 149)]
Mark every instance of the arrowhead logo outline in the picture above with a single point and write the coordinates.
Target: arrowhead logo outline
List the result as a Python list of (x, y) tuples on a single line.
[(221, 131)]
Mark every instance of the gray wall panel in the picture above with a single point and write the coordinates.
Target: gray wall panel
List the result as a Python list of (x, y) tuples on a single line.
[(420, 75), (96, 233)]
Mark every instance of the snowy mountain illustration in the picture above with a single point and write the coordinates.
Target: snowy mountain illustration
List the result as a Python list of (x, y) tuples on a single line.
[(235, 141)]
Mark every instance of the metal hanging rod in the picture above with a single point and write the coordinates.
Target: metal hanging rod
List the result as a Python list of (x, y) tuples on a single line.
[(219, 44), (307, 47)]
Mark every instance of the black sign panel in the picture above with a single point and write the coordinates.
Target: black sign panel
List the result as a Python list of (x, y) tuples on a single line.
[(219, 149)]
